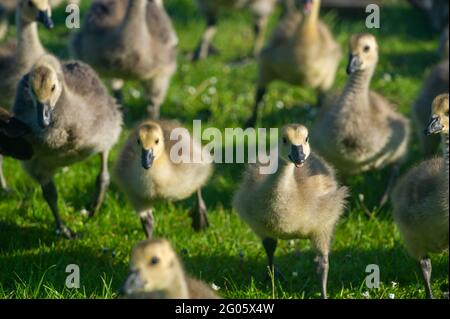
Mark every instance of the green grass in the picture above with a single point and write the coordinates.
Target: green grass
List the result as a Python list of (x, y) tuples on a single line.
[(33, 259)]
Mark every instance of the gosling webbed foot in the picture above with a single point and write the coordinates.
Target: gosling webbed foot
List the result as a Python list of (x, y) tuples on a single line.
[(65, 232)]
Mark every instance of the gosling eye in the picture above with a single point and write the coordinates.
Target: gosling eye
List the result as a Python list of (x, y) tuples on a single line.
[(157, 141), (284, 140), (307, 139), (154, 261), (366, 48), (139, 142), (53, 87)]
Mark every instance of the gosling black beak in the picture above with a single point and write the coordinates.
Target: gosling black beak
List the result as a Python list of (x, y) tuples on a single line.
[(44, 114), (353, 64), (147, 158), (297, 155), (44, 18), (133, 284), (434, 127)]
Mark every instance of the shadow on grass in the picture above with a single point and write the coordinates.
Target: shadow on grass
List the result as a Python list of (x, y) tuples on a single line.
[(35, 271), (347, 271)]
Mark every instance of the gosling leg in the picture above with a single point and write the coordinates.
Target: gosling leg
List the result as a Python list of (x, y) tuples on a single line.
[(148, 222), (199, 215), (260, 27), (102, 184), (204, 48), (425, 266), (157, 91), (395, 172), (117, 88), (259, 101), (321, 98), (51, 197), (270, 245), (3, 183), (322, 270)]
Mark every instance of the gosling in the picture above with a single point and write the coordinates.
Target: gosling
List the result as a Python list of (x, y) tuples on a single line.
[(301, 200), (130, 40), (420, 199), (301, 52), (361, 131), (435, 84), (147, 172), (261, 10), (156, 272), (17, 57), (71, 117)]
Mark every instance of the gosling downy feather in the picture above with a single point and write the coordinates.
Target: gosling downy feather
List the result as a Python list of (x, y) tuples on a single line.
[(17, 57), (420, 200), (146, 172), (62, 103), (156, 272), (130, 39), (361, 131), (301, 200)]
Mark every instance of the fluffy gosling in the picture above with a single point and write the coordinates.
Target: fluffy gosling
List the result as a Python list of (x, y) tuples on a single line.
[(420, 199), (301, 200), (130, 40), (146, 172), (71, 117), (302, 52), (156, 272), (17, 57), (361, 130)]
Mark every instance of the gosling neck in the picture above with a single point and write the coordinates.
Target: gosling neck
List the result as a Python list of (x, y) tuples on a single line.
[(357, 87), (135, 16), (285, 173), (445, 142), (28, 43), (308, 29), (178, 289)]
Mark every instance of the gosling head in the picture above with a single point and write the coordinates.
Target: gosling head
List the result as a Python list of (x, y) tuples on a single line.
[(151, 142), (439, 117), (295, 144), (37, 10), (363, 53), (46, 86), (309, 5), (152, 267)]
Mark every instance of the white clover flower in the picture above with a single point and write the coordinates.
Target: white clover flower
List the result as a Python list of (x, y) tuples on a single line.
[(215, 287), (387, 77), (135, 93), (213, 80), (279, 105), (212, 90), (206, 99), (191, 90), (366, 294), (84, 212), (391, 296)]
